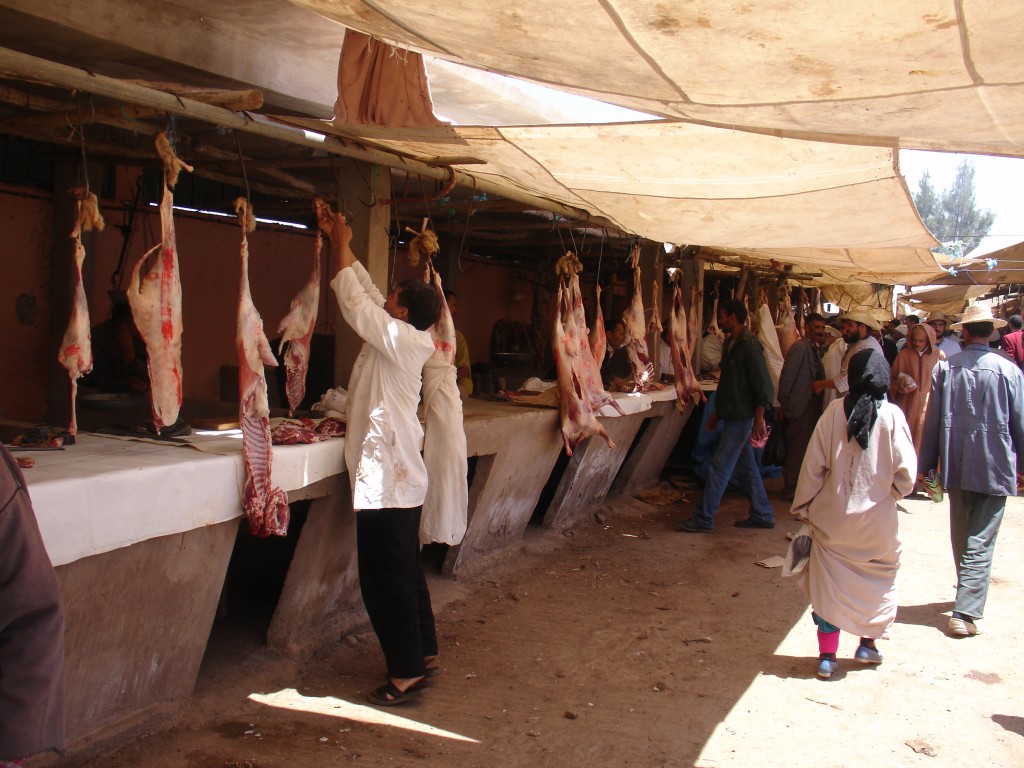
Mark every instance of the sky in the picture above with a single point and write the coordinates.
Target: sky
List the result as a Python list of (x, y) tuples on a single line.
[(998, 186)]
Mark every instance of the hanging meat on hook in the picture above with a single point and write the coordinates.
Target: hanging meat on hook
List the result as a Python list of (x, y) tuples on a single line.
[(681, 347), (76, 346), (446, 504), (713, 325), (265, 507), (581, 393), (155, 299), (296, 330), (636, 330), (785, 327)]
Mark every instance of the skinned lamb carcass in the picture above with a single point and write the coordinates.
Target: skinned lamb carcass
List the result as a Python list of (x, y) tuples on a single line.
[(443, 331), (680, 348), (713, 325), (446, 503), (265, 507), (785, 328), (578, 418), (76, 346), (636, 330), (568, 268), (296, 330), (155, 300)]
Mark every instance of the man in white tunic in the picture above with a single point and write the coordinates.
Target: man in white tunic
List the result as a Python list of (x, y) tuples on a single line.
[(382, 455), (860, 461)]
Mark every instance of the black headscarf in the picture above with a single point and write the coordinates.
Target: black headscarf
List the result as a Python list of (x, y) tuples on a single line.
[(868, 377)]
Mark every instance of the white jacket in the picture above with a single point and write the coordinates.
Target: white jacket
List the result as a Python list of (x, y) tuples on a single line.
[(384, 435)]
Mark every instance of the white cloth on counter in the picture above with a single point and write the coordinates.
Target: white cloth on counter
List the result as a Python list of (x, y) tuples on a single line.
[(384, 433), (104, 493), (446, 505), (533, 384)]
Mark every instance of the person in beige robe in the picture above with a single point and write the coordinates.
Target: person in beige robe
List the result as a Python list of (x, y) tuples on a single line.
[(915, 363), (859, 463)]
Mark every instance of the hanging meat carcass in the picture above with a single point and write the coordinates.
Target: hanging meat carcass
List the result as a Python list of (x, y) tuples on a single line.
[(636, 330), (681, 349), (265, 507), (569, 267), (713, 325), (76, 346), (296, 330), (446, 504), (155, 300), (785, 328), (581, 394)]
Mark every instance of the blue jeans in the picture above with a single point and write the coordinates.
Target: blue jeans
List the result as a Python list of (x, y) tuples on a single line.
[(733, 457), (974, 520)]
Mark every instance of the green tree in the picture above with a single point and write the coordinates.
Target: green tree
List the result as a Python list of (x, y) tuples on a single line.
[(953, 216)]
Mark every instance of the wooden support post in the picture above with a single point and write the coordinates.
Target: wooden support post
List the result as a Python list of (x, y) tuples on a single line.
[(360, 184)]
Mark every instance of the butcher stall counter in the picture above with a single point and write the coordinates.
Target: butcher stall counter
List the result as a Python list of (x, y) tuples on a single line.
[(141, 534)]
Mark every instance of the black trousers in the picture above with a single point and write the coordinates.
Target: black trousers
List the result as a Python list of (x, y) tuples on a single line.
[(393, 587)]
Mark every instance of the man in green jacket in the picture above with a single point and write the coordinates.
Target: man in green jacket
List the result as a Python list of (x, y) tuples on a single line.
[(744, 392)]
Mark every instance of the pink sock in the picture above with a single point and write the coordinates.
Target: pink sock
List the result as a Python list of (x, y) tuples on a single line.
[(828, 642)]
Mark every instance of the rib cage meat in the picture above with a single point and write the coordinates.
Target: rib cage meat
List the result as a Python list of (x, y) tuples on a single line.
[(266, 507)]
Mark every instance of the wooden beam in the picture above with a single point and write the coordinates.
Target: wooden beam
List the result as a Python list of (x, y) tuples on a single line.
[(33, 68), (123, 115)]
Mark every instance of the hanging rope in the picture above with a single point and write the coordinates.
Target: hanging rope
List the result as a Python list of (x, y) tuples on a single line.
[(241, 161), (465, 230)]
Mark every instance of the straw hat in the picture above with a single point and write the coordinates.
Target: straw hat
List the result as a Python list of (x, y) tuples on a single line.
[(860, 316), (976, 313), (936, 315)]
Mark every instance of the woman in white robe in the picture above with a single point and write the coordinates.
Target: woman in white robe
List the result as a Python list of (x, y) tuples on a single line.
[(860, 462)]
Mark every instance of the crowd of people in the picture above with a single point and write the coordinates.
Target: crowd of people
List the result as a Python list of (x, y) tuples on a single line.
[(872, 413)]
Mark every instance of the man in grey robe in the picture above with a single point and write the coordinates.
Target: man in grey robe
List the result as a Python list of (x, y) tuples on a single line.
[(974, 432), (798, 404)]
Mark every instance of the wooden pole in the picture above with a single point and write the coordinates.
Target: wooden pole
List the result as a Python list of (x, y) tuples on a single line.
[(34, 69)]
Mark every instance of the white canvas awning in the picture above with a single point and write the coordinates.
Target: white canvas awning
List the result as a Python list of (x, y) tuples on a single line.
[(924, 74), (690, 184)]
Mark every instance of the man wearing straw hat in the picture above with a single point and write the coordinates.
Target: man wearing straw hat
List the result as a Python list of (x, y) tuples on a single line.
[(856, 327), (974, 433), (946, 341)]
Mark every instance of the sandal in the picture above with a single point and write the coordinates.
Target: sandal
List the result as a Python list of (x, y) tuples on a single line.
[(432, 665), (390, 695)]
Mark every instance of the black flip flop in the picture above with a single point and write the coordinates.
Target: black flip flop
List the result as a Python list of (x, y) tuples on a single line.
[(389, 695)]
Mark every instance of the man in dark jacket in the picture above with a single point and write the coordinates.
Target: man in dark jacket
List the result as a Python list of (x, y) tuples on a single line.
[(744, 392)]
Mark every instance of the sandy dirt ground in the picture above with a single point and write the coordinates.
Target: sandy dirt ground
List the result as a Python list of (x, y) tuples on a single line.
[(627, 643)]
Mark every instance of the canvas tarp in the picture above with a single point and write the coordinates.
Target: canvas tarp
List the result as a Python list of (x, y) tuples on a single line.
[(691, 184), (923, 74)]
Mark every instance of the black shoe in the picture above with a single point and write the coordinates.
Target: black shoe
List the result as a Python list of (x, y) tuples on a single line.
[(690, 525), (751, 522)]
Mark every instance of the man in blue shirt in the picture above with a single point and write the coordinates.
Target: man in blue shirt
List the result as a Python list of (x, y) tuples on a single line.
[(744, 392), (974, 432)]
